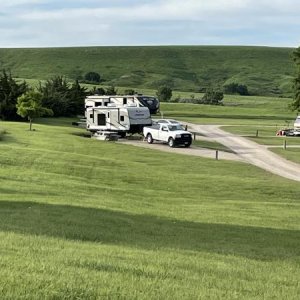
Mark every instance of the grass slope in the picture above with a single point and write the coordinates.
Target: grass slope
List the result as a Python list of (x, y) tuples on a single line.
[(265, 70), (84, 219)]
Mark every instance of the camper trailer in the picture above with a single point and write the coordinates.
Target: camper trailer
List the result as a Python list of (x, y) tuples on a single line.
[(139, 100), (120, 119)]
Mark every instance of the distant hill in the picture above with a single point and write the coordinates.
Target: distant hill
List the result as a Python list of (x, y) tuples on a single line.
[(265, 70)]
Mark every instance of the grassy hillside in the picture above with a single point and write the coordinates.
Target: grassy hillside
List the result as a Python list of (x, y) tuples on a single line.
[(84, 219), (265, 70)]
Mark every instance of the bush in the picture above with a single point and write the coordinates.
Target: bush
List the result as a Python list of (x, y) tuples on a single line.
[(213, 97), (2, 132), (235, 88), (110, 91), (129, 92), (164, 94), (92, 77)]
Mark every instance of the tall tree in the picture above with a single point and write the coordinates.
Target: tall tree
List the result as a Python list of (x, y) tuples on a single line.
[(55, 95), (10, 90), (76, 96), (29, 106), (164, 93), (296, 101)]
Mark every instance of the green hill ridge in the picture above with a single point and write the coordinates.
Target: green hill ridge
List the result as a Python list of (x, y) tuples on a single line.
[(265, 70)]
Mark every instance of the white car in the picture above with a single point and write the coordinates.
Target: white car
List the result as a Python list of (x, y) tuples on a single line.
[(167, 121)]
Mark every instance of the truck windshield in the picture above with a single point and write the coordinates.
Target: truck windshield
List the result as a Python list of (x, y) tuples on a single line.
[(175, 127)]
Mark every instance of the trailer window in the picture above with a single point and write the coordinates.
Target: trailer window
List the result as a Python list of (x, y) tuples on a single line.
[(101, 119), (98, 104), (122, 119), (91, 116), (124, 100)]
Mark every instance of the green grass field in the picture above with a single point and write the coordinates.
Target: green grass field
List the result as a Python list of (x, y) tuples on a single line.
[(237, 110), (265, 70), (84, 219)]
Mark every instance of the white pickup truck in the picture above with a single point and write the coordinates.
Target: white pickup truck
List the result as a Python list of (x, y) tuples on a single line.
[(173, 134)]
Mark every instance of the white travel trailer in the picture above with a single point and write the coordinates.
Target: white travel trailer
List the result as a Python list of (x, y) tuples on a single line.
[(120, 119), (128, 100)]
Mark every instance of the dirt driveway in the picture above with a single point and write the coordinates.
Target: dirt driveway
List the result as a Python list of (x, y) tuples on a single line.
[(250, 152)]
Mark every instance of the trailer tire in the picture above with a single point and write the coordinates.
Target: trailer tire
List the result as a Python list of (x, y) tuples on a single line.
[(149, 138), (171, 142)]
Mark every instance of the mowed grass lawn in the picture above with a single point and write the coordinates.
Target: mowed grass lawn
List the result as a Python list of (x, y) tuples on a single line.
[(85, 219)]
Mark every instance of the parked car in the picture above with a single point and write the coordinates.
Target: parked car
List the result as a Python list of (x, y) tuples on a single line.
[(166, 121), (169, 121)]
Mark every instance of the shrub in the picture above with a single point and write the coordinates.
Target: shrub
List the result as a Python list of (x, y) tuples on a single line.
[(235, 88), (2, 132), (93, 77), (164, 93), (213, 97)]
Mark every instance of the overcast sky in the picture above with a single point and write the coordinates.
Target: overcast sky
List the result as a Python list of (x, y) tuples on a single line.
[(59, 23)]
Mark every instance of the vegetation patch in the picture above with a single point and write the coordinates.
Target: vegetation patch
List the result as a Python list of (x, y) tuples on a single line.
[(134, 223), (2, 133), (256, 70)]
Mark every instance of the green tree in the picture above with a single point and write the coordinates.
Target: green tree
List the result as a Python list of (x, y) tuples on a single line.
[(129, 92), (56, 95), (10, 90), (164, 93), (235, 88), (92, 77), (76, 96), (111, 90), (29, 106), (296, 84), (97, 91), (213, 96)]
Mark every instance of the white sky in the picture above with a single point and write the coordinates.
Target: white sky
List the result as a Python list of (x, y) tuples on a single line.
[(46, 23)]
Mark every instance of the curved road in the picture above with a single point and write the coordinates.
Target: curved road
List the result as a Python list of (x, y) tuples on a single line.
[(250, 152)]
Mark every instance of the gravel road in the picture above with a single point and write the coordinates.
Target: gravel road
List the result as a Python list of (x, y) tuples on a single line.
[(250, 152)]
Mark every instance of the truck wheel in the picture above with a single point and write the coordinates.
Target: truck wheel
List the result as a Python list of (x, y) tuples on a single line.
[(171, 142), (149, 138)]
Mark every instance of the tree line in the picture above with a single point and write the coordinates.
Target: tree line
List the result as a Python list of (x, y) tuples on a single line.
[(55, 96)]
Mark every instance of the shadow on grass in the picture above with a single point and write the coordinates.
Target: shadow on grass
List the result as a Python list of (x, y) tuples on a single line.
[(147, 231)]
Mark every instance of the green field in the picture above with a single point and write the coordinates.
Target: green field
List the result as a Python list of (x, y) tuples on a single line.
[(237, 110), (84, 219), (265, 70)]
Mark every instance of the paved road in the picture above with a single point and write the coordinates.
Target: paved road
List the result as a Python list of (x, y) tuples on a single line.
[(250, 152)]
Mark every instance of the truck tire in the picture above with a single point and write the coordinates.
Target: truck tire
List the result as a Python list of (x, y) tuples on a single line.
[(171, 142), (149, 138)]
